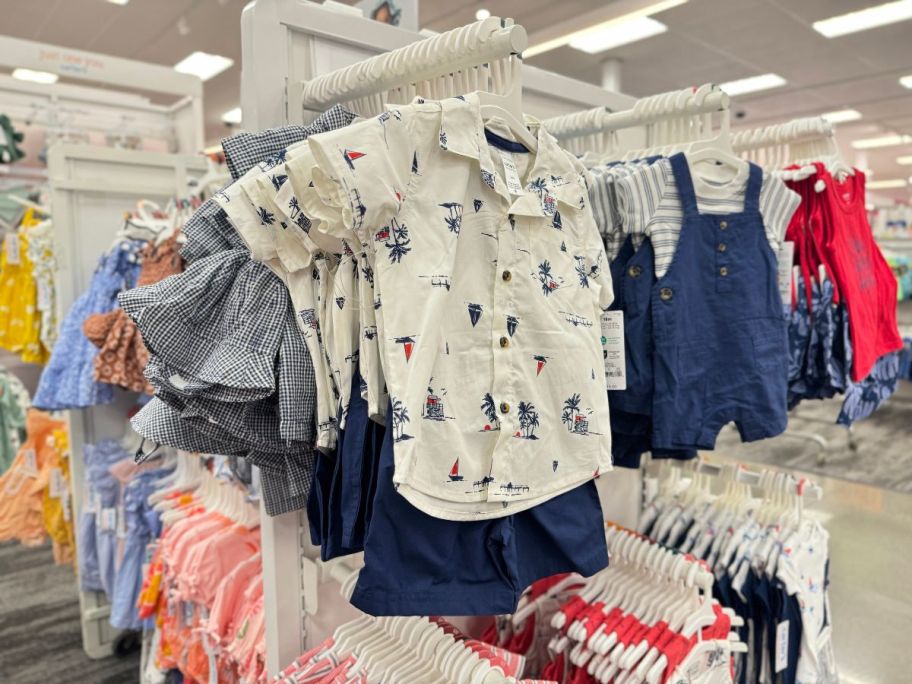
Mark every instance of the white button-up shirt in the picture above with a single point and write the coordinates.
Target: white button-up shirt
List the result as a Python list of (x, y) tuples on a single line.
[(487, 303)]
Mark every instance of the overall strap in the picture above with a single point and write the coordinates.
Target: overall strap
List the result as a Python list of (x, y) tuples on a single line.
[(754, 186), (681, 170)]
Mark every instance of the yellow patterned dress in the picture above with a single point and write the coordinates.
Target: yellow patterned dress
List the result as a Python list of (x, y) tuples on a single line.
[(20, 320)]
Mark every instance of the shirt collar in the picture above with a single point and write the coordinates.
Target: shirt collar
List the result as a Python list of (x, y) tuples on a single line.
[(552, 181)]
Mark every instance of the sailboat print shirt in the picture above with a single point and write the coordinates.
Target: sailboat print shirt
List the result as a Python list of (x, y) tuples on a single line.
[(490, 279)]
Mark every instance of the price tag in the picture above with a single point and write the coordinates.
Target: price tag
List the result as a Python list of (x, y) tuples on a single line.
[(56, 485), (44, 296), (30, 463), (12, 248), (121, 526), (514, 184), (613, 349), (65, 504), (782, 645), (108, 521), (786, 257)]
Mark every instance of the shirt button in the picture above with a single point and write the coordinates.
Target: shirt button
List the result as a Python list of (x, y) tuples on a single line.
[(723, 224), (504, 407), (504, 342), (634, 271), (506, 275), (666, 293), (723, 271), (722, 247)]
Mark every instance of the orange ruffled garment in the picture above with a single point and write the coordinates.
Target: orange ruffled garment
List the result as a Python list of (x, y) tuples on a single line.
[(123, 355), (22, 486)]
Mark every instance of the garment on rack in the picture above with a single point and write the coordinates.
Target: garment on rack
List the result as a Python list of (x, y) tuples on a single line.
[(22, 485), (56, 499), (20, 324), (14, 404), (40, 251), (68, 379), (480, 373), (223, 383), (122, 355)]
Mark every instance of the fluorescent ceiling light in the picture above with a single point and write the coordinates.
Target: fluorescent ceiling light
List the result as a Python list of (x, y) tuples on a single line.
[(865, 19), (842, 115), (615, 35), (887, 184), (203, 65), (906, 81), (482, 14), (118, 2), (905, 161), (232, 116), (881, 141), (45, 77), (618, 25), (752, 84)]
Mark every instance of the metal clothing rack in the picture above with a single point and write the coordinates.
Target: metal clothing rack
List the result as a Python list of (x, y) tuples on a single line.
[(91, 187), (286, 44)]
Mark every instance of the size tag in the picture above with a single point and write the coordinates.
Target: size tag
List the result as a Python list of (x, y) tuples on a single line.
[(786, 257), (12, 248), (782, 645), (30, 463), (65, 505), (511, 174), (613, 349), (56, 484)]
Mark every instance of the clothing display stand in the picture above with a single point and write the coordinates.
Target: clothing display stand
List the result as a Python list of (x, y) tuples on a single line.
[(91, 188), (65, 109), (284, 44)]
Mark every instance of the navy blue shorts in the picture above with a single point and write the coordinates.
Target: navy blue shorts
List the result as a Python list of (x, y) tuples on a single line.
[(416, 564)]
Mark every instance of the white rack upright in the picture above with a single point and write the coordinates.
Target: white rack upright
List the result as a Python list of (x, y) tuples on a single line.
[(284, 43), (91, 189)]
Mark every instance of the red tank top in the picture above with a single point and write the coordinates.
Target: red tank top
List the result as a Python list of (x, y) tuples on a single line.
[(862, 275)]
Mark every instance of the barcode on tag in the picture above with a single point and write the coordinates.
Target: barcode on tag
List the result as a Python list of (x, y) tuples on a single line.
[(56, 484), (786, 257), (12, 248), (30, 463), (613, 349), (782, 645), (514, 184)]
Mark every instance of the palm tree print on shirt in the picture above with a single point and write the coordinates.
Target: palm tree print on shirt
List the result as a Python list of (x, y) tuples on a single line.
[(396, 239), (548, 283), (573, 418), (266, 218), (585, 273), (400, 417), (490, 411), (549, 207), (454, 219), (528, 420)]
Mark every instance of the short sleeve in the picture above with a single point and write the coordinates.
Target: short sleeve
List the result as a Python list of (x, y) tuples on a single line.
[(777, 205), (363, 171), (638, 195)]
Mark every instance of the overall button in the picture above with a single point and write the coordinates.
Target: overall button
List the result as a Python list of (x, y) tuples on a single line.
[(506, 275), (723, 224), (723, 271), (634, 271), (504, 407), (666, 293), (504, 342), (722, 247)]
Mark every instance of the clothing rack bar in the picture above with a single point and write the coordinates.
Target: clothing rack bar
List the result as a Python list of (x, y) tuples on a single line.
[(793, 132), (803, 487), (447, 53)]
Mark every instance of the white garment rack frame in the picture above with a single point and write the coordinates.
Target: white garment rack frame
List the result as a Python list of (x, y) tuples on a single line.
[(285, 42), (91, 188)]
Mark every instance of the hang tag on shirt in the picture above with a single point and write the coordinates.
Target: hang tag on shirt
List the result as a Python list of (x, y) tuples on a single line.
[(511, 174), (613, 349), (12, 248), (120, 527), (108, 519), (782, 645), (30, 463), (44, 296), (56, 484), (786, 258)]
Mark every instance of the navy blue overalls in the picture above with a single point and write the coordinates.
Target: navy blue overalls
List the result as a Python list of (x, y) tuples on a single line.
[(720, 335)]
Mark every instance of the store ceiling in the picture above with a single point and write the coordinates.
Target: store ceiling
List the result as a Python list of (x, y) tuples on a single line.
[(707, 41)]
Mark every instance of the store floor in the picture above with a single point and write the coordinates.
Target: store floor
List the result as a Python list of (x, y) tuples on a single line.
[(40, 638)]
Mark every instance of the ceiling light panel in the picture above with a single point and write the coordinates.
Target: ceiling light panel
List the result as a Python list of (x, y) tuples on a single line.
[(617, 34), (753, 84), (864, 20), (906, 82), (45, 77), (904, 161), (881, 141), (887, 184), (842, 115), (203, 65)]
